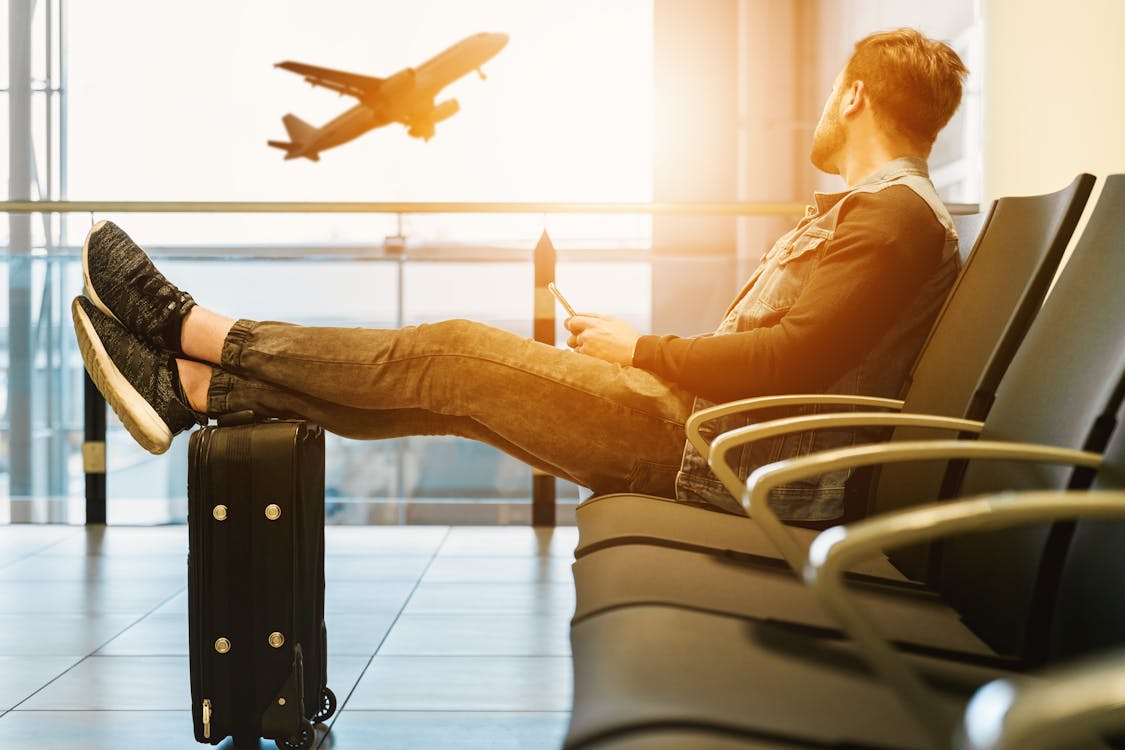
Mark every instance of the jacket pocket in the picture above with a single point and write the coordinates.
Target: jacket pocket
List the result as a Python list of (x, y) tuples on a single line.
[(781, 284)]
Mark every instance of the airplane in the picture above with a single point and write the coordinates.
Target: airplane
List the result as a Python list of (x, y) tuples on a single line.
[(406, 97)]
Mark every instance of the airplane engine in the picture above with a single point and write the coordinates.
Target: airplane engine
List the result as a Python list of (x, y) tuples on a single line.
[(444, 110), (423, 126), (423, 130)]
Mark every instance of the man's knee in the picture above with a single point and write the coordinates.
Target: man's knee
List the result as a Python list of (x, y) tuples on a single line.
[(467, 336)]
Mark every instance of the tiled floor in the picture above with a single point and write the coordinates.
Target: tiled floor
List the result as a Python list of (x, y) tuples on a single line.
[(439, 637)]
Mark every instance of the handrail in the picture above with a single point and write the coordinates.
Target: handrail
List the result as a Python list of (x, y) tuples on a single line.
[(694, 209), (783, 208)]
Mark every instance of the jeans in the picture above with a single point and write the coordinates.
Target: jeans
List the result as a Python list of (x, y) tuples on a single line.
[(600, 425)]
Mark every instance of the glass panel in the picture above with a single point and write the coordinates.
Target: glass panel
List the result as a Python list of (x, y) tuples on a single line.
[(153, 116), (4, 11), (4, 163)]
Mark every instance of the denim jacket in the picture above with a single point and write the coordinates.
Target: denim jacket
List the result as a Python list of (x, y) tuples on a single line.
[(774, 286)]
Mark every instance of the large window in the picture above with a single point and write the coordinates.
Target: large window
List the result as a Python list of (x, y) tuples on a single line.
[(169, 103)]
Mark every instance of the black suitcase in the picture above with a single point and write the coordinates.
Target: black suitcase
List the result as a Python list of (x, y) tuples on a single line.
[(256, 582)]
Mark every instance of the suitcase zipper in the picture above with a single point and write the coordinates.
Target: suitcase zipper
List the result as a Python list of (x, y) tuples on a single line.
[(201, 587)]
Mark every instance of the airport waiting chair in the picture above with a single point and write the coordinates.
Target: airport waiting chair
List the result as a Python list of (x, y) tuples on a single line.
[(738, 676), (674, 677), (1070, 367), (989, 309)]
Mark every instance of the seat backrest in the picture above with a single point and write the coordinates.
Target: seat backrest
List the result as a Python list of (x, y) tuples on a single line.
[(1089, 610), (1064, 387), (996, 296), (969, 228)]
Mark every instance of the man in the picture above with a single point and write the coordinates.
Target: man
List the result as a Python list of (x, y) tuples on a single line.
[(841, 303)]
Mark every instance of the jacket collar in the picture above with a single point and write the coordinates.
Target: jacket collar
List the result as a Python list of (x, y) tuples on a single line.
[(892, 170)]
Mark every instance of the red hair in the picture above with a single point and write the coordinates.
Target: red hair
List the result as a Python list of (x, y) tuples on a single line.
[(914, 82)]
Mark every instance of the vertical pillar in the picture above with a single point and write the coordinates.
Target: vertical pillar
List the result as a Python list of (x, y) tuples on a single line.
[(543, 260), (19, 265), (777, 112), (695, 123)]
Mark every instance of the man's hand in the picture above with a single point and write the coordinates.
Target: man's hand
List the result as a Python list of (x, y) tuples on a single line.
[(603, 337)]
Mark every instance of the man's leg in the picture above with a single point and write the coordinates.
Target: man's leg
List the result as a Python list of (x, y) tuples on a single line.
[(604, 426)]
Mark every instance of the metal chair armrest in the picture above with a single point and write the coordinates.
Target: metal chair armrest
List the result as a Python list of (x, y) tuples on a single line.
[(837, 548), (701, 417), (1066, 707), (765, 478), (731, 439)]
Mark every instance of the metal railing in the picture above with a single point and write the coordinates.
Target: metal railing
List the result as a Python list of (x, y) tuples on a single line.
[(362, 207)]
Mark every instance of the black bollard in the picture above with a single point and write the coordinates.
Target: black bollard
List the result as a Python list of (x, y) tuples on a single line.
[(93, 453)]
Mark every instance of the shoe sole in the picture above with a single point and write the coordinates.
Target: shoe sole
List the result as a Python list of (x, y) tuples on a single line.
[(91, 294), (138, 416)]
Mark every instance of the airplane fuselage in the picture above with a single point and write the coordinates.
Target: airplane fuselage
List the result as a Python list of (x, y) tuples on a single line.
[(406, 97), (345, 127)]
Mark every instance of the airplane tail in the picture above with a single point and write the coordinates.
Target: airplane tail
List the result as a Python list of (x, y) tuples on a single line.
[(299, 130), (300, 133)]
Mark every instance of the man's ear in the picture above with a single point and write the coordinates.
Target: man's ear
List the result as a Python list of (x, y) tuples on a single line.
[(854, 98)]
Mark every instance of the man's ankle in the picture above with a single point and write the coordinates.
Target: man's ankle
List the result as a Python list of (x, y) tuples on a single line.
[(203, 333), (195, 379)]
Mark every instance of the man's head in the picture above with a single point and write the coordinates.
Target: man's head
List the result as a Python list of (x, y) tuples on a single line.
[(910, 84)]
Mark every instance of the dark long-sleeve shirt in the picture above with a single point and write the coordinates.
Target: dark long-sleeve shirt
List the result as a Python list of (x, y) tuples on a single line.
[(884, 247)]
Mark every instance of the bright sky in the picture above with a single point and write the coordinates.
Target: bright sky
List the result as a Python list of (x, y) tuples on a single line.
[(176, 101)]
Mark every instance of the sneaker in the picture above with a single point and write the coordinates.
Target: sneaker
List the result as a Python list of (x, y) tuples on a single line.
[(137, 380), (123, 283)]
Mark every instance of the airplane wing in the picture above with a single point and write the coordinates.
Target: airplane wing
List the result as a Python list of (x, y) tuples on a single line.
[(352, 84)]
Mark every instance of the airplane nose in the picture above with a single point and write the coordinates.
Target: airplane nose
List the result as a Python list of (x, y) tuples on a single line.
[(500, 40)]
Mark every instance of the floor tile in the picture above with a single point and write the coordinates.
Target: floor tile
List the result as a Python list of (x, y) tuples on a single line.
[(344, 673), (462, 683), (356, 596), (478, 635), (387, 730), (451, 569), (532, 598), (100, 730), (155, 635), (23, 675), (477, 659), (177, 605), (126, 541), (58, 634), (46, 567), (356, 634), (375, 567), (524, 541), (73, 597), (383, 540), (19, 540), (118, 683)]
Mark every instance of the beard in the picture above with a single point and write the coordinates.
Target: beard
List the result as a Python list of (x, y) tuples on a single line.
[(828, 141)]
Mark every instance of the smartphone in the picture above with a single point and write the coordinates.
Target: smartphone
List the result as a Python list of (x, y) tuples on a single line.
[(562, 300)]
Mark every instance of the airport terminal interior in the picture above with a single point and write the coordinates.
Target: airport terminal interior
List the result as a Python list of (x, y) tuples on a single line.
[(386, 165)]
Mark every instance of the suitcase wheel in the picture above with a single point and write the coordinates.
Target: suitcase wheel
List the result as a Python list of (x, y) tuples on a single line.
[(301, 741), (327, 707)]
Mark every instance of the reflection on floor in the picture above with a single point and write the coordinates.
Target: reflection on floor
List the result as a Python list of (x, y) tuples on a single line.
[(438, 637)]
